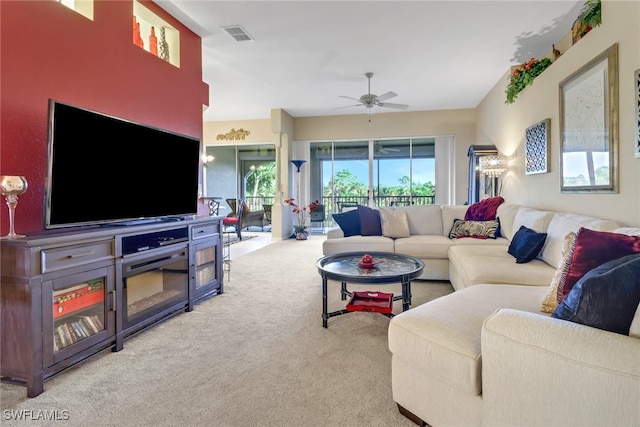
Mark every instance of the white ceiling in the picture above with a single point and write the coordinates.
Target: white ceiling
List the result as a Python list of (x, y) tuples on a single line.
[(433, 54)]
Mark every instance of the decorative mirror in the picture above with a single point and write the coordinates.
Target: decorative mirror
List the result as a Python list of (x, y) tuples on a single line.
[(589, 126)]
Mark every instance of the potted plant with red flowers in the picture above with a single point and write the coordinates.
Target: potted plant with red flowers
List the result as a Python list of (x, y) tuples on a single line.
[(302, 216)]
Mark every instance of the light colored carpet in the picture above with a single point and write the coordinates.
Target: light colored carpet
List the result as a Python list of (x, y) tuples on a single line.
[(256, 355), (230, 240)]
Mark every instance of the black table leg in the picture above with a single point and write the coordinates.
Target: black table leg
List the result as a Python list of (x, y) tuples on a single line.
[(324, 302), (343, 291), (406, 294)]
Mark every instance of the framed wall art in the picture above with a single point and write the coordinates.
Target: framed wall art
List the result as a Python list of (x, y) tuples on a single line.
[(536, 148), (589, 126), (636, 77)]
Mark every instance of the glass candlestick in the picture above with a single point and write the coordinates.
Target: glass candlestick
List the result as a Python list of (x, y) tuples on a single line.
[(12, 187)]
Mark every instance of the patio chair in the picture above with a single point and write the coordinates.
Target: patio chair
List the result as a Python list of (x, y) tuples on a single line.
[(231, 220), (318, 215)]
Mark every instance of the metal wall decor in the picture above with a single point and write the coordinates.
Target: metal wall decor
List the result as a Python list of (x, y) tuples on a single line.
[(536, 148), (233, 134), (637, 83)]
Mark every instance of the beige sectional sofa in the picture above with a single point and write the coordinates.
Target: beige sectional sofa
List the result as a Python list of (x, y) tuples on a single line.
[(429, 228), (486, 354)]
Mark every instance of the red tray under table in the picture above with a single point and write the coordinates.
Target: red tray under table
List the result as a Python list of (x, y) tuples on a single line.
[(379, 302)]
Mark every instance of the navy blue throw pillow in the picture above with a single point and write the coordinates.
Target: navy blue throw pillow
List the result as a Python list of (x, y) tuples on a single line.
[(526, 244), (349, 221), (607, 297), (370, 224)]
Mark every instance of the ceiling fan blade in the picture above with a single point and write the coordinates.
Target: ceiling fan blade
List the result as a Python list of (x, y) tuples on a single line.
[(386, 96), (391, 105), (349, 97), (348, 106)]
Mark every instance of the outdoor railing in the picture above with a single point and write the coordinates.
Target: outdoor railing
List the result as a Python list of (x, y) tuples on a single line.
[(337, 204), (255, 203)]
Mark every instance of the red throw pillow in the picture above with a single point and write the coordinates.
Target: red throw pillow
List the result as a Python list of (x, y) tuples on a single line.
[(594, 248), (484, 210)]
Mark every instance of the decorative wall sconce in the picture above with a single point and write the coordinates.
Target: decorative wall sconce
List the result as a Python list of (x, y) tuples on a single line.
[(12, 187), (206, 159), (493, 166)]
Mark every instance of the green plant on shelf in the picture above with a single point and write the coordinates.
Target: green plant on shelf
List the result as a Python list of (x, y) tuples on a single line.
[(523, 76), (590, 16)]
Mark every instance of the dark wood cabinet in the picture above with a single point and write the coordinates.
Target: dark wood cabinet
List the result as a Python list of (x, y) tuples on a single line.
[(66, 295)]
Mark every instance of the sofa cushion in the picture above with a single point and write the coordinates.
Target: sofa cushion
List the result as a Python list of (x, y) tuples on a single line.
[(449, 214), (634, 329), (526, 244), (607, 297), (629, 231), (424, 246), (475, 229), (561, 224), (507, 213), (534, 219), (370, 224), (394, 222), (498, 241), (357, 244), (592, 249), (468, 266), (425, 219), (442, 337), (550, 301), (349, 222), (484, 210)]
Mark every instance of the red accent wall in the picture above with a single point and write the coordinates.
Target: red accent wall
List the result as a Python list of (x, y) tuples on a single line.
[(50, 51)]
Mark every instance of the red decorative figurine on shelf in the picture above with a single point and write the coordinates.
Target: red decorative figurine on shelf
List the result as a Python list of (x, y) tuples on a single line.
[(153, 42)]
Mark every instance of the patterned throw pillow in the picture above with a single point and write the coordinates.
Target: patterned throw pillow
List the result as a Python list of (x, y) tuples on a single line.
[(550, 301), (475, 229)]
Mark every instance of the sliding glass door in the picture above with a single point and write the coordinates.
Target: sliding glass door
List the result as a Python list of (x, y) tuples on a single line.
[(372, 172), (241, 172)]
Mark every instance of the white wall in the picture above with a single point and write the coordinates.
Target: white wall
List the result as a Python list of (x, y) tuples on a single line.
[(494, 122), (504, 125), (455, 126)]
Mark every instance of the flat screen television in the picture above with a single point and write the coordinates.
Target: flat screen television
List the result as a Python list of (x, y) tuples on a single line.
[(103, 170)]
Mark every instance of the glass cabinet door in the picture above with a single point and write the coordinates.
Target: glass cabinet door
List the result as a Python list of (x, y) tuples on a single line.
[(205, 265), (79, 312)]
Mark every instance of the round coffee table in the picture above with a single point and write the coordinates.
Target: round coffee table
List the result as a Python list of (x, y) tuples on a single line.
[(344, 268)]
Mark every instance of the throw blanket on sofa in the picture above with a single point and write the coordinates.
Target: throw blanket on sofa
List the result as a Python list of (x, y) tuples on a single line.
[(484, 210)]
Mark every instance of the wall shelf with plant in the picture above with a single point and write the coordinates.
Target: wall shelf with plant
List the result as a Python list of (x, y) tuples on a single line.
[(590, 17), (523, 76)]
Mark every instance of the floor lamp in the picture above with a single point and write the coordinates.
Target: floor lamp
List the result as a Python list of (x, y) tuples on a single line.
[(298, 164)]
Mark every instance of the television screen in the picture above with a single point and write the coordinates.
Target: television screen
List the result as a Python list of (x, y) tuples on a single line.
[(102, 169)]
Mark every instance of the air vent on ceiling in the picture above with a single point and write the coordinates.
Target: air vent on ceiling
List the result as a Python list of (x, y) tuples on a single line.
[(238, 33)]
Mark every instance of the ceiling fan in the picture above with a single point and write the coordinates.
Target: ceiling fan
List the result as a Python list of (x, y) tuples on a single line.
[(370, 100)]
